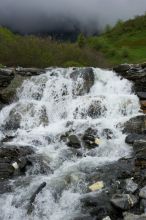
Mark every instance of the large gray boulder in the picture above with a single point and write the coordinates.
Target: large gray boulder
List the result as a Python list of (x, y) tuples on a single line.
[(136, 125)]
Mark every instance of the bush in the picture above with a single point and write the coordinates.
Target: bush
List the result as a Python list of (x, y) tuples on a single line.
[(112, 52), (81, 40), (72, 64), (1, 65), (124, 52)]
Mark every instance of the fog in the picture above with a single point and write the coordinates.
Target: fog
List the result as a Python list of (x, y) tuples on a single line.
[(30, 16)]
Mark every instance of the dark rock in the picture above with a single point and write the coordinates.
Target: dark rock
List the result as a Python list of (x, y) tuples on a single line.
[(32, 199), (135, 125), (143, 205), (122, 68), (5, 187), (6, 76), (13, 121), (97, 204), (87, 75), (73, 141), (13, 160), (142, 193), (143, 65), (139, 148), (141, 95), (124, 201), (107, 133), (131, 138), (90, 138), (29, 71), (96, 109), (131, 186)]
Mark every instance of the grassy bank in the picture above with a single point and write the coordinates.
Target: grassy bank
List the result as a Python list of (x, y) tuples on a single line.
[(126, 42), (27, 51)]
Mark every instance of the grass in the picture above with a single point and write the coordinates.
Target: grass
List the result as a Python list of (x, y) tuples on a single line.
[(32, 51), (126, 42)]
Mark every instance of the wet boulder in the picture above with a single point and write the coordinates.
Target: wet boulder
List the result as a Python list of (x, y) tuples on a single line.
[(107, 133), (13, 160), (96, 109), (29, 71), (141, 95), (139, 148), (6, 76), (124, 201), (131, 138), (90, 138), (98, 205), (87, 76), (135, 125), (73, 141), (130, 185), (142, 193), (122, 68)]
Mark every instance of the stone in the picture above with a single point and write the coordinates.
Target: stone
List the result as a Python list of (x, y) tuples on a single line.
[(130, 216), (87, 75), (143, 205), (90, 138), (96, 109), (6, 76), (141, 95), (122, 68), (142, 193), (97, 204), (143, 65), (124, 201), (131, 138), (29, 71), (13, 160), (107, 133), (139, 148), (135, 125), (74, 141), (131, 186)]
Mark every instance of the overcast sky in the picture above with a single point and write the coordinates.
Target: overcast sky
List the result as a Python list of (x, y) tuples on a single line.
[(49, 15)]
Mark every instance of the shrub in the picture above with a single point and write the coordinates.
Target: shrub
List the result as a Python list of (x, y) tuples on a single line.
[(124, 52), (81, 40)]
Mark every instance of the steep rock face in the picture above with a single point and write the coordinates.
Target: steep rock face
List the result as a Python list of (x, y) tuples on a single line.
[(137, 74)]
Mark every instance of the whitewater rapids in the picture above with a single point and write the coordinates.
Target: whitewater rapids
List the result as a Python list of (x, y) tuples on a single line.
[(49, 107)]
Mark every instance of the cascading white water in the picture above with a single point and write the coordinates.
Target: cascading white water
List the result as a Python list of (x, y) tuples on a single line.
[(48, 106)]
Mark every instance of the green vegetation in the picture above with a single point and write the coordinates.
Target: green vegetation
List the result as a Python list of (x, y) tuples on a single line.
[(32, 51), (81, 40), (125, 42)]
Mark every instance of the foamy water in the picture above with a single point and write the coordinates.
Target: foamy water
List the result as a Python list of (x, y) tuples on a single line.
[(48, 107)]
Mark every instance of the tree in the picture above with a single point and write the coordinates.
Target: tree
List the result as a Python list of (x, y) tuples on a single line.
[(81, 40)]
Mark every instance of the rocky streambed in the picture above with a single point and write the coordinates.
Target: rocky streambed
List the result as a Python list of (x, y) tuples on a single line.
[(73, 144)]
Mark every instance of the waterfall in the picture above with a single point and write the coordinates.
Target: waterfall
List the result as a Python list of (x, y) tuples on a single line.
[(54, 105)]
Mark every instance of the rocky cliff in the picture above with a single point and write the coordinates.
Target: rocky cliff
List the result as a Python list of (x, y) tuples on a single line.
[(137, 74)]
